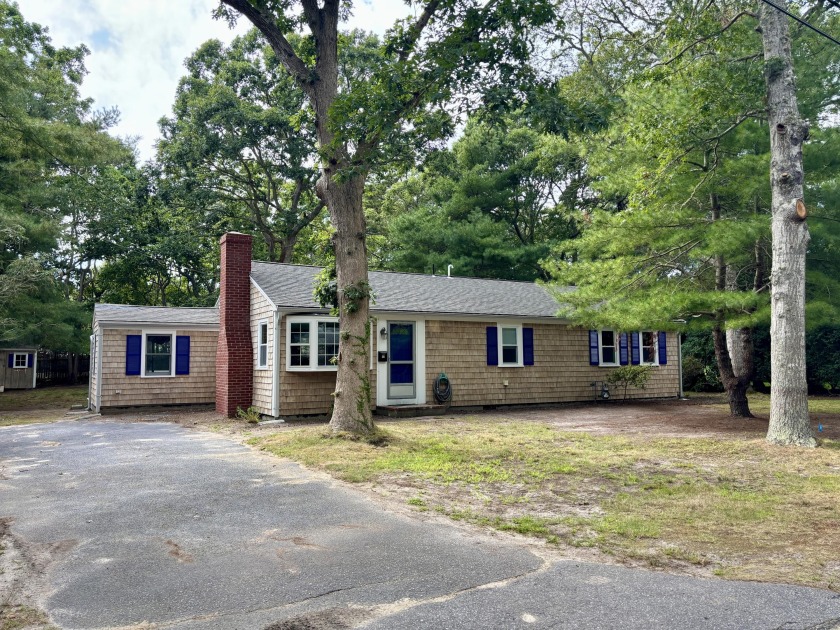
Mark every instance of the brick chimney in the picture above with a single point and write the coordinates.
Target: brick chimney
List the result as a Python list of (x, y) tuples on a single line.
[(234, 355)]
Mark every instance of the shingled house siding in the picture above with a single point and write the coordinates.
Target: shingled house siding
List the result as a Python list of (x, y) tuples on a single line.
[(561, 370), (198, 387), (309, 393), (15, 378), (262, 310)]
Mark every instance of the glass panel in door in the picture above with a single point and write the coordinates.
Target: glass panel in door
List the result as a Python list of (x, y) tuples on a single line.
[(401, 360)]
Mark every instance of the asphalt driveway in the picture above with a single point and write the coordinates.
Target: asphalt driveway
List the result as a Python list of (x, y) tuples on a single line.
[(151, 525)]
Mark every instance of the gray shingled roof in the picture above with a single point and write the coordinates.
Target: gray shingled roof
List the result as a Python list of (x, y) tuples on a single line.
[(125, 314), (290, 287)]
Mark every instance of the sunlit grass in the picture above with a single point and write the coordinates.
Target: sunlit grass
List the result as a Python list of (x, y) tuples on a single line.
[(39, 405), (738, 505)]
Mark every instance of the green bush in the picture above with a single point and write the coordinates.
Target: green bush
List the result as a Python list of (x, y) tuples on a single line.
[(630, 376)]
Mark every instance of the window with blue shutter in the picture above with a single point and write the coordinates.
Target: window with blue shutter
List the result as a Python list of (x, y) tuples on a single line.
[(30, 360), (635, 354), (663, 349), (133, 346), (623, 349), (594, 358), (528, 346), (182, 355), (11, 359), (492, 346)]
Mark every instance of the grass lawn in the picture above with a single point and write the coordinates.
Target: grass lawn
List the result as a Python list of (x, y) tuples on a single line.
[(39, 405), (760, 403), (732, 506)]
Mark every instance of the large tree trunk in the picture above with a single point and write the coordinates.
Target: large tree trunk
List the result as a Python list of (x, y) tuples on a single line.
[(739, 345), (733, 350), (351, 406), (789, 422), (734, 383)]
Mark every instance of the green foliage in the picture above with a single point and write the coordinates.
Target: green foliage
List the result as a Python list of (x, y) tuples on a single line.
[(251, 415), (354, 294), (492, 206), (239, 152), (687, 149), (628, 376), (53, 148)]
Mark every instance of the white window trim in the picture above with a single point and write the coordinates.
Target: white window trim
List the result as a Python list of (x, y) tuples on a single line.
[(260, 324), (655, 348), (313, 344), (25, 365), (145, 334), (520, 346), (617, 346)]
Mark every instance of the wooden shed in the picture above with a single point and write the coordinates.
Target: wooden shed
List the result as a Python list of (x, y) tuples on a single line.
[(18, 368)]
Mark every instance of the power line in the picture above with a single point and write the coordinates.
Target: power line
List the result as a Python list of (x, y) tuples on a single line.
[(803, 22)]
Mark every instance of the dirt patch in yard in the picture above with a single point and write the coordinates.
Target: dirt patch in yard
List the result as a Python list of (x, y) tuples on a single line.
[(673, 418)]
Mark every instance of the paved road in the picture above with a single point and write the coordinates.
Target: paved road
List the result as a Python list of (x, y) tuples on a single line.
[(151, 523)]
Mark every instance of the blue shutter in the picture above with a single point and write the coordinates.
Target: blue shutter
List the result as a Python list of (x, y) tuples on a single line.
[(663, 349), (133, 345), (492, 346), (30, 360), (635, 359), (623, 349), (11, 359), (528, 346), (594, 359), (182, 355)]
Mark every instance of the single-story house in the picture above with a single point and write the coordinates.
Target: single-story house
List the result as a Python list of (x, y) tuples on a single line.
[(270, 346), (18, 367)]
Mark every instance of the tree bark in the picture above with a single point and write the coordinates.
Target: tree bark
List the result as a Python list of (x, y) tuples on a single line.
[(352, 396), (789, 422), (343, 198), (734, 383)]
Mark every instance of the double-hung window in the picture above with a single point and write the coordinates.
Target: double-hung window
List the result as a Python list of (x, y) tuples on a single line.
[(511, 345), (649, 348), (608, 347), (157, 354), (327, 344), (262, 344), (312, 343)]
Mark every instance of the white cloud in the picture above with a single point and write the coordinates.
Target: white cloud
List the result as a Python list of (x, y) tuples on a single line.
[(138, 48)]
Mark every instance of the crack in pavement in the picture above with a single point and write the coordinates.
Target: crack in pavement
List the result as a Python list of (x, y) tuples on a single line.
[(376, 612)]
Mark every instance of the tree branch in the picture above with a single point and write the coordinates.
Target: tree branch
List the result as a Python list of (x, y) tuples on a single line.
[(281, 46), (416, 29)]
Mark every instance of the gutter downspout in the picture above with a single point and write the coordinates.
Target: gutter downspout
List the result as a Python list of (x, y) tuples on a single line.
[(99, 336), (680, 363), (92, 354), (275, 367)]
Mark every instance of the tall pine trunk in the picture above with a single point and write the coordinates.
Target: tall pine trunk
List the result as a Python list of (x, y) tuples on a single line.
[(789, 422)]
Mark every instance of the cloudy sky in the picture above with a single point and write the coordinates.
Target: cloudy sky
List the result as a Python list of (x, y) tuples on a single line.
[(138, 48)]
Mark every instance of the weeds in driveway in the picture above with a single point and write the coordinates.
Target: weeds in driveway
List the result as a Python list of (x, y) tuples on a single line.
[(736, 507)]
